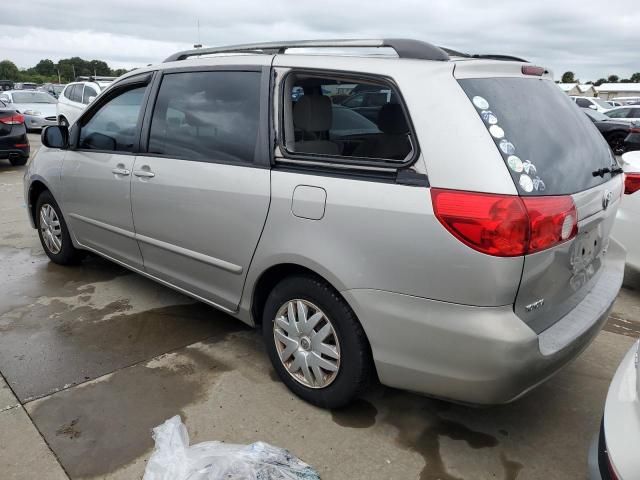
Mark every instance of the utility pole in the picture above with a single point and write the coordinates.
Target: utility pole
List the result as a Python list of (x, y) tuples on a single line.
[(58, 70), (74, 72)]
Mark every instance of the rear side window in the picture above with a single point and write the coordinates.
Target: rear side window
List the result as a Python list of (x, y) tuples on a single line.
[(207, 116), (76, 93), (88, 93), (549, 146), (345, 118)]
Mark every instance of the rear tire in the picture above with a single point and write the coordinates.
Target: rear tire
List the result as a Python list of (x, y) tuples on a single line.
[(53, 231), (18, 161), (344, 339)]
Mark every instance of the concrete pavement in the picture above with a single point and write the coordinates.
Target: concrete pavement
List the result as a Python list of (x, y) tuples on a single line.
[(95, 356)]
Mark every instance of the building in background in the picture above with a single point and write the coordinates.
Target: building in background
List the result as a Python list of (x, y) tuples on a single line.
[(581, 90), (609, 91)]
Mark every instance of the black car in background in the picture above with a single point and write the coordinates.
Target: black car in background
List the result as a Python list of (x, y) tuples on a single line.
[(632, 142), (6, 85), (614, 131), (14, 144)]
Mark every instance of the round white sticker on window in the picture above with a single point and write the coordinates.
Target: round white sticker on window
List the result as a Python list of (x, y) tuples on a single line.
[(507, 147), (515, 163), (496, 131), (489, 117), (480, 102), (526, 183)]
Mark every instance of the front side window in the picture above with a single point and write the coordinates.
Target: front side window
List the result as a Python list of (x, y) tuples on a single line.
[(345, 118), (114, 126), (88, 93), (635, 113), (619, 113), (207, 116)]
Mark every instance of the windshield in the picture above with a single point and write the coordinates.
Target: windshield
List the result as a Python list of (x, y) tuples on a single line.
[(32, 97), (601, 102), (547, 143), (597, 116)]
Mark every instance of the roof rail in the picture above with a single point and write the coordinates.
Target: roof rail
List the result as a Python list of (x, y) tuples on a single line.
[(94, 78), (405, 48)]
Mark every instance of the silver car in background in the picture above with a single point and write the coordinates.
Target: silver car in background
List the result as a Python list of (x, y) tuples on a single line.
[(38, 108), (615, 451), (457, 245)]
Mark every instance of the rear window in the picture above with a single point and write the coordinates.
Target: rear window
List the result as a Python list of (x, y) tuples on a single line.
[(548, 144)]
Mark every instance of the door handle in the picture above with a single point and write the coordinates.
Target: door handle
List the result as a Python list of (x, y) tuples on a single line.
[(144, 173), (121, 171)]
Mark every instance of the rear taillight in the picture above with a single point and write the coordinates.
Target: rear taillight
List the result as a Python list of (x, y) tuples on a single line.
[(631, 183), (634, 129), (505, 225), (14, 119)]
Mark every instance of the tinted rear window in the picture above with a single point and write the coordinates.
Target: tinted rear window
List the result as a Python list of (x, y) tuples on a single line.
[(549, 145)]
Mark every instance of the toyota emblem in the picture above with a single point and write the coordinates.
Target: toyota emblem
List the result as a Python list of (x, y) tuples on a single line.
[(606, 199)]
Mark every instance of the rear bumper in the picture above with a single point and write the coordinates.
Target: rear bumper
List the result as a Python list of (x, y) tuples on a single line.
[(478, 355), (17, 136), (37, 122)]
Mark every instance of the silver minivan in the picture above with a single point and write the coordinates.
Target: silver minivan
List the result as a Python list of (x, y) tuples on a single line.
[(453, 241)]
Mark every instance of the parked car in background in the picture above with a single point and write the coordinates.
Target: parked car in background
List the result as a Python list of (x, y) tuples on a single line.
[(632, 142), (369, 103), (614, 451), (6, 85), (627, 113), (626, 229), (614, 104), (75, 97), (361, 253), (14, 143), (614, 131), (627, 100), (53, 89), (593, 103), (25, 86), (38, 108)]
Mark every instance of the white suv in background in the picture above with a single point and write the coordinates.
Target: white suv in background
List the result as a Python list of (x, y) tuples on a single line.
[(76, 96)]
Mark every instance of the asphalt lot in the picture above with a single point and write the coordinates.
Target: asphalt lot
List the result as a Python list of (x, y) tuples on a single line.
[(93, 357)]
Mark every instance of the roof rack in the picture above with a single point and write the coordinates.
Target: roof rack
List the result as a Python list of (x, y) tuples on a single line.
[(94, 78), (405, 48)]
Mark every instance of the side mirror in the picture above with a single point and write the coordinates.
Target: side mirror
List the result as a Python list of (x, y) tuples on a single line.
[(593, 107), (55, 136), (5, 99), (91, 99)]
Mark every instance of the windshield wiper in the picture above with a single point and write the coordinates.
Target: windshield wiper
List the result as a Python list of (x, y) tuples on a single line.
[(613, 170)]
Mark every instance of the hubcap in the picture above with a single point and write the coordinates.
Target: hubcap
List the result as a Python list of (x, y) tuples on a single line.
[(307, 343), (50, 229)]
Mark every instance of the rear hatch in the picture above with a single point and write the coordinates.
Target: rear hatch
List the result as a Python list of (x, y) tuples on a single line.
[(551, 150)]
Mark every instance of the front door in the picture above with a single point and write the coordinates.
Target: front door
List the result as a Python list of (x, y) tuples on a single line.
[(97, 175), (199, 195)]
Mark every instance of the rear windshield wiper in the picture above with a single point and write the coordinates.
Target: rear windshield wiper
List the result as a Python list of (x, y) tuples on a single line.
[(602, 171)]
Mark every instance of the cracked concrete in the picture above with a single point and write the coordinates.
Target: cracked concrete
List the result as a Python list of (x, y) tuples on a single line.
[(95, 356)]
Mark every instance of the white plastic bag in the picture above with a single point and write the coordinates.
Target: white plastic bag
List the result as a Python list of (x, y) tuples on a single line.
[(174, 459)]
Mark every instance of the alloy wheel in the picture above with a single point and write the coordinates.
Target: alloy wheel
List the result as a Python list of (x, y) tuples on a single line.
[(50, 229), (307, 343)]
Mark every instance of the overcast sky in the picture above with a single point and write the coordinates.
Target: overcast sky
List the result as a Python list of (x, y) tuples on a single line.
[(591, 38)]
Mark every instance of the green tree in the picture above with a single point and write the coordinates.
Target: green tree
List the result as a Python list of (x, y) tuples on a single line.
[(600, 81), (9, 70), (635, 78), (45, 67), (98, 67), (613, 79), (568, 77)]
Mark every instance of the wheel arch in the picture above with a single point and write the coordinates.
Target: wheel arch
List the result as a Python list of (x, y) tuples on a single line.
[(35, 190)]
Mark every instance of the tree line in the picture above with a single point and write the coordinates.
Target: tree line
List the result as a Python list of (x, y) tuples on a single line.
[(66, 70), (569, 77)]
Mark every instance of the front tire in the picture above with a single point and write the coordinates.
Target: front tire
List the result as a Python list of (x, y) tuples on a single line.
[(53, 231), (18, 161), (315, 342)]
